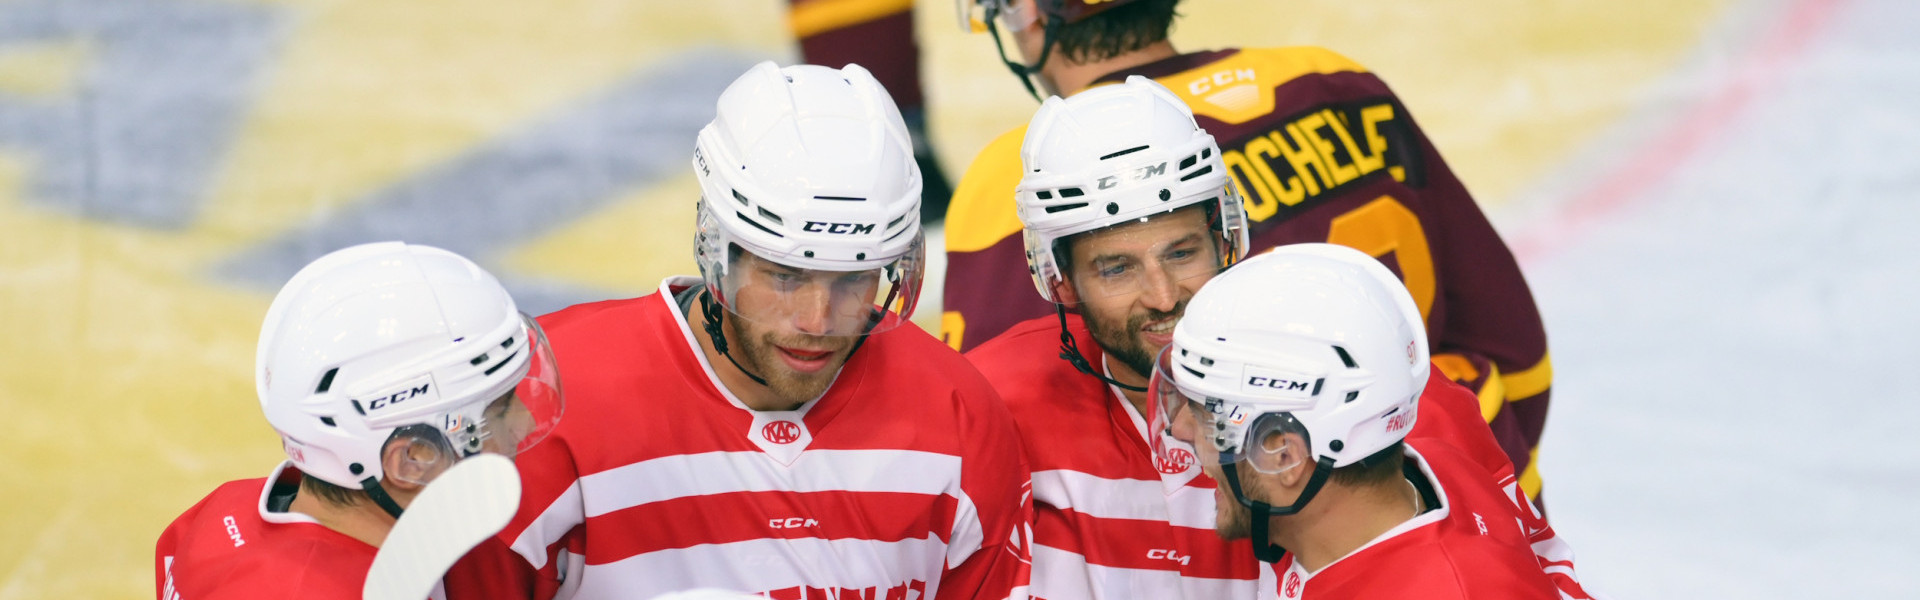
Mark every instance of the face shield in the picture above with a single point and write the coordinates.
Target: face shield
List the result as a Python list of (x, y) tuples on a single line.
[(792, 301), (975, 14), (507, 416), (1154, 253), (1217, 432)]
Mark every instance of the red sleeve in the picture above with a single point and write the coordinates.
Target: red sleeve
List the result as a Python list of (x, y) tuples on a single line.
[(1450, 415), (999, 488)]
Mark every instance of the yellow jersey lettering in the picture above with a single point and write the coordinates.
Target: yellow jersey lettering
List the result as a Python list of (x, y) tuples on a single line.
[(1370, 119), (1361, 164), (1302, 157), (1311, 125), (1261, 150)]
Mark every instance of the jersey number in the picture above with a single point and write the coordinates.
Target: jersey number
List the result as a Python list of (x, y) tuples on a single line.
[(1385, 225)]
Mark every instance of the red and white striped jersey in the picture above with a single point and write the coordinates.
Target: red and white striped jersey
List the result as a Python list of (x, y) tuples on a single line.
[(1472, 544), (1110, 521), (905, 480)]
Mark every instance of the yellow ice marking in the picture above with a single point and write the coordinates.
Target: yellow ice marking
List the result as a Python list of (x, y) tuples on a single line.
[(629, 246), (46, 69), (368, 92)]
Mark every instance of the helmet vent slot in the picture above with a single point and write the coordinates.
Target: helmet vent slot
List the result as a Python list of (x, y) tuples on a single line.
[(328, 421), (326, 381), (772, 217), (1195, 373), (1055, 209), (1045, 194), (507, 343), (503, 362), (1071, 193), (1124, 152), (896, 222), (358, 409), (757, 225), (1188, 162), (1206, 153), (1351, 396), (1206, 362), (742, 199), (840, 198), (1317, 383), (1201, 171), (1346, 359), (477, 360)]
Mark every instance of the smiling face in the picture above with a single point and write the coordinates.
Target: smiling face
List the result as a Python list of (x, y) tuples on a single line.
[(1132, 281), (797, 327)]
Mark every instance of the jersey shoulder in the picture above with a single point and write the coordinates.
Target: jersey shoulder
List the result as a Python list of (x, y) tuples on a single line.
[(982, 211), (221, 548), (1452, 415), (1239, 86)]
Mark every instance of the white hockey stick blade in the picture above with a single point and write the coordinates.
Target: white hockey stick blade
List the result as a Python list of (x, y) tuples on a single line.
[(462, 507)]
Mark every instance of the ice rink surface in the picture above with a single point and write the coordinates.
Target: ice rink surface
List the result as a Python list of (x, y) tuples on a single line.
[(1735, 343), (1713, 200)]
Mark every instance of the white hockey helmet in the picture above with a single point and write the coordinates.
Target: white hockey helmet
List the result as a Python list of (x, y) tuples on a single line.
[(395, 342), (1115, 155), (1315, 339), (811, 168)]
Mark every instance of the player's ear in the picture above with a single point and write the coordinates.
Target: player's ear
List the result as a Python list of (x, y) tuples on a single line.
[(1280, 454), (410, 462), (1064, 292)]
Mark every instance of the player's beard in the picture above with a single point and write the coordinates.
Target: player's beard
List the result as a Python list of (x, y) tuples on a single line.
[(1123, 340), (759, 352), (1232, 520)]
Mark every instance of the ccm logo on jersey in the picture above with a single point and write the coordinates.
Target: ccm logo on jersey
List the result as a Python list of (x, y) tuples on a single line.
[(781, 432), (792, 523), (837, 228), (233, 531), (1169, 555)]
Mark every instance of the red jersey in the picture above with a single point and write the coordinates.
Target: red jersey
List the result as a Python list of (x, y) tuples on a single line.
[(1471, 543), (1322, 151), (904, 480), (1110, 521), (237, 544)]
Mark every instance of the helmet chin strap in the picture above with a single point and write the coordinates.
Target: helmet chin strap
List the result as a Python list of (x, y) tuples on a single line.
[(379, 495), (1263, 546), (1070, 352), (1026, 73), (710, 312)]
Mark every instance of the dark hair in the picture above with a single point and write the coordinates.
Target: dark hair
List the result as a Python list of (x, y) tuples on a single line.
[(1116, 31), (1379, 467), (329, 493)]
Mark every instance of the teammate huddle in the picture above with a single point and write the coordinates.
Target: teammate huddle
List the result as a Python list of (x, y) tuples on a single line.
[(770, 428)]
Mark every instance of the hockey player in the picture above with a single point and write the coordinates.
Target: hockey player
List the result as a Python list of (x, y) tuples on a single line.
[(1127, 213), (1321, 151), (1297, 378), (379, 365), (770, 426), (1150, 219)]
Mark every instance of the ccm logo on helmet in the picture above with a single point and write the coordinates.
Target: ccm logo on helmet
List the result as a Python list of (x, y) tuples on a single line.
[(837, 228), (398, 397), (1278, 384), (1137, 175)]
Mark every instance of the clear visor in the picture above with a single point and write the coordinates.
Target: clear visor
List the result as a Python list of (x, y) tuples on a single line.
[(1156, 254), (974, 14), (508, 423), (1213, 431), (817, 303)]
